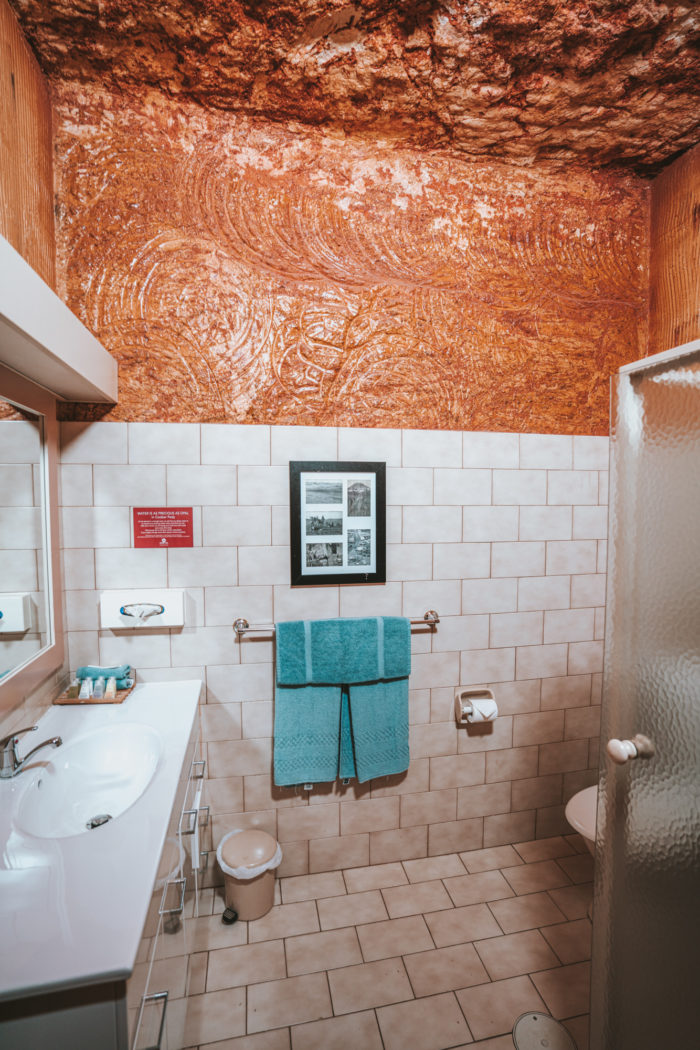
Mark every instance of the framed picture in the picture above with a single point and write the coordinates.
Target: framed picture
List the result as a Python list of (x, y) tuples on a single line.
[(338, 522)]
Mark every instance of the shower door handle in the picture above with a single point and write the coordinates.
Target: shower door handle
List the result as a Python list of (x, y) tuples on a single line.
[(621, 751)]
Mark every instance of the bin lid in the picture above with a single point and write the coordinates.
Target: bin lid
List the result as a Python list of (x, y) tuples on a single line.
[(248, 849)]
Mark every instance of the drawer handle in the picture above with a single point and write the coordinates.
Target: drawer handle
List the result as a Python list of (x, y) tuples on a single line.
[(182, 883), (154, 997), (191, 814), (198, 762)]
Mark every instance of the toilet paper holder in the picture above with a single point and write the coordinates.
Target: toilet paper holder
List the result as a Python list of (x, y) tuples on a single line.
[(465, 700)]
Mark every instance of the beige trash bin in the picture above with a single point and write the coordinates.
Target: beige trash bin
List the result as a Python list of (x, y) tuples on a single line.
[(248, 860)]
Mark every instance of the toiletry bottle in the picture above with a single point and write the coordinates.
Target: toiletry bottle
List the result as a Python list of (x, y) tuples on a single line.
[(85, 689), (73, 690), (99, 690), (111, 688)]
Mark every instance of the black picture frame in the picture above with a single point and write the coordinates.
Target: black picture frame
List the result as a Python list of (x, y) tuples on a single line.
[(337, 516)]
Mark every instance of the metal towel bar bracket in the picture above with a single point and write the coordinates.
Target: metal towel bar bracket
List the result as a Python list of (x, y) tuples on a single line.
[(241, 626)]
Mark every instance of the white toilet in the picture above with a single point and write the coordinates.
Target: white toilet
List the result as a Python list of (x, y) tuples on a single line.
[(581, 814)]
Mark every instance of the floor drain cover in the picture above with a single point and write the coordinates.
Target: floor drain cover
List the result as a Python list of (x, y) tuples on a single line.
[(541, 1032)]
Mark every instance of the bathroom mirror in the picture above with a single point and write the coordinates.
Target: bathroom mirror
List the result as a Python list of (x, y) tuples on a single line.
[(31, 643)]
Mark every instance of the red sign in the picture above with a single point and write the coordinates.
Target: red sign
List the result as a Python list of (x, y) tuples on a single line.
[(163, 527)]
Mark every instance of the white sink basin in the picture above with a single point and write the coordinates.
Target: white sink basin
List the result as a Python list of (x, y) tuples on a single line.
[(98, 775)]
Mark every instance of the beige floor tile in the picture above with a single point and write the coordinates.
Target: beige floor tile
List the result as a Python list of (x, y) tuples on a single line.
[(433, 868), (197, 973), (579, 868), (248, 964), (471, 923), (492, 1009), (544, 849), (445, 970), (515, 954), (285, 920), (501, 1042), (339, 1033), (416, 898), (351, 910), (311, 887), (275, 1040), (431, 1024), (488, 859), (576, 842), (210, 932), (291, 1001), (542, 875), (574, 901), (579, 1029), (387, 940), (369, 985), (526, 913), (375, 877), (475, 889), (215, 1015), (565, 990), (570, 940), (314, 952)]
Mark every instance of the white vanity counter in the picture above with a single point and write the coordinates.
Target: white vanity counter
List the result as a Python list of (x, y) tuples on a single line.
[(72, 909)]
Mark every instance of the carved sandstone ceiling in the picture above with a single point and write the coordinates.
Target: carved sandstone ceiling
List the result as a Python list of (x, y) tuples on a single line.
[(602, 82)]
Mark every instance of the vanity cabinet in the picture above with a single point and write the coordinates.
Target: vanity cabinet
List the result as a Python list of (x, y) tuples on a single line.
[(157, 989)]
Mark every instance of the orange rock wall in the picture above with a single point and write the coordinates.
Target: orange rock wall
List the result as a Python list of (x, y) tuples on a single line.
[(244, 271), (26, 174)]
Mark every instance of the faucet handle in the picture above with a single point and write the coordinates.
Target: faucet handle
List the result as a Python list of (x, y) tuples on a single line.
[(9, 740)]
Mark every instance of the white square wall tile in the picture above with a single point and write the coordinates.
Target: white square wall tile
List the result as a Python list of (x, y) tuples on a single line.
[(129, 486), (163, 442), (545, 523), (541, 661), (263, 486), (569, 625), (572, 486), (232, 443), (491, 524), (588, 591), (585, 657), (130, 567), (76, 485), (455, 633), (590, 523), (487, 596), (307, 603), (204, 645), (517, 487), (202, 567), (78, 568), (409, 561), (461, 560), (465, 487), (234, 526), (433, 670), (20, 528), (239, 682), (591, 453), (517, 559), (575, 557), (432, 524), (95, 526), (432, 448), (17, 485), (375, 445), (442, 595), (93, 442), (19, 440), (479, 666), (511, 629), (223, 605), (544, 592), (373, 599), (409, 486), (201, 485), (82, 610), (18, 570), (490, 450), (263, 565), (138, 648), (550, 451), (311, 443), (603, 487)]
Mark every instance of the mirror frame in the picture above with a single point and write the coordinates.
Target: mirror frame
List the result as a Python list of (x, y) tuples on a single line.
[(28, 676)]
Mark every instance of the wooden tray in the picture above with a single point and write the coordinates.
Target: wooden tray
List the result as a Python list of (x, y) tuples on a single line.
[(119, 698)]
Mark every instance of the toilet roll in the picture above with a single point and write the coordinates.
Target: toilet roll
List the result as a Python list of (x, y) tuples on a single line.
[(483, 710)]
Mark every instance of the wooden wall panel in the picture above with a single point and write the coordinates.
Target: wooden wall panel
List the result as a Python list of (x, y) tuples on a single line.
[(675, 254), (249, 272), (26, 169)]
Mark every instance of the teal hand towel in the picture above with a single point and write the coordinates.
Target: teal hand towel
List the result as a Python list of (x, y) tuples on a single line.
[(306, 734), (379, 716), (122, 671), (346, 651)]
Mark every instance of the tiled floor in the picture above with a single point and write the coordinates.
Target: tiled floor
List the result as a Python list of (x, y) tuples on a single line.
[(420, 955)]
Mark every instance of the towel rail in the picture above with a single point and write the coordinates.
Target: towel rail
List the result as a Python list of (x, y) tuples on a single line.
[(241, 626)]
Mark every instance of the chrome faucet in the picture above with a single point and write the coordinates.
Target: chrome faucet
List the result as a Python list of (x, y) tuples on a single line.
[(10, 762)]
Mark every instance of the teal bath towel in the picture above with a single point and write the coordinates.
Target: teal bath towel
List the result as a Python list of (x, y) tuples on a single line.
[(341, 699)]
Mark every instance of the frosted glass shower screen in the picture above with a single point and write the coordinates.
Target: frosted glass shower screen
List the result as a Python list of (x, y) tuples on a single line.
[(647, 896)]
